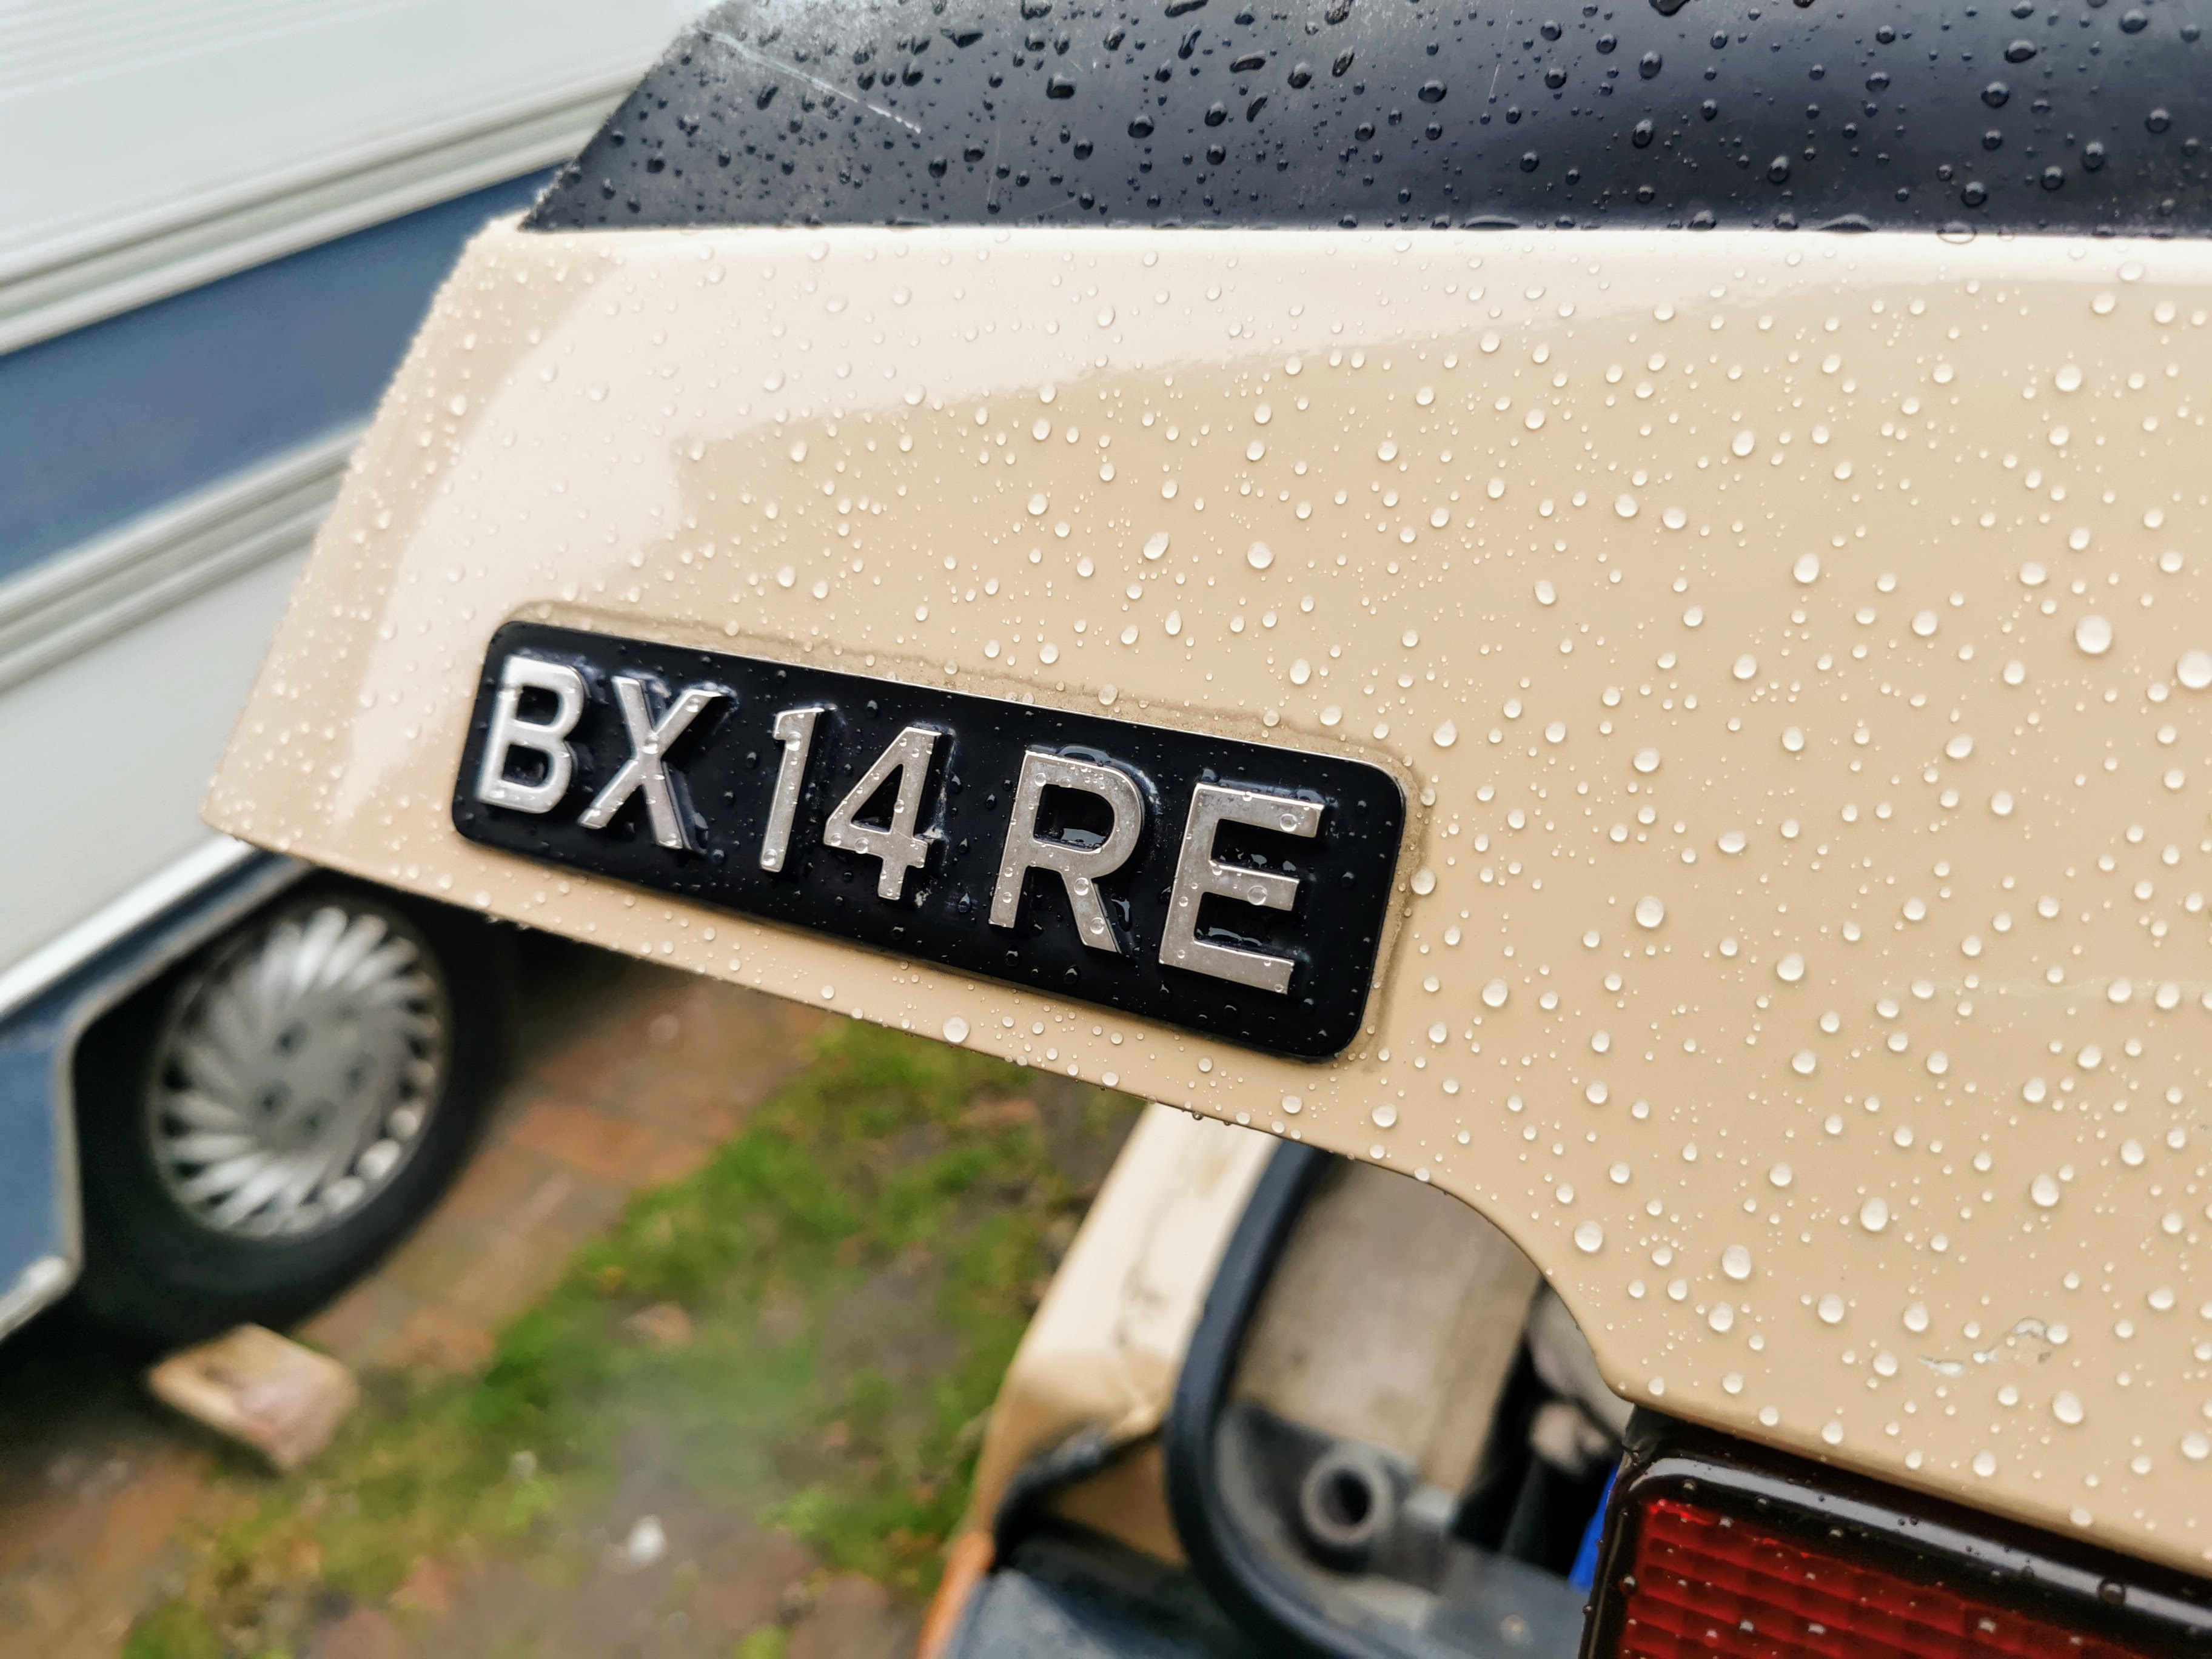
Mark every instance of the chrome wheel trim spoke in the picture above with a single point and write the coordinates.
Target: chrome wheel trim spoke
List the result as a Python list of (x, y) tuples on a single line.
[(388, 965), (204, 1112), (202, 1147), (251, 1193), (303, 1179), (293, 1081), (213, 1182)]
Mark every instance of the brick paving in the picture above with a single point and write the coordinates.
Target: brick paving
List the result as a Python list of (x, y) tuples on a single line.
[(631, 1079), (626, 1076)]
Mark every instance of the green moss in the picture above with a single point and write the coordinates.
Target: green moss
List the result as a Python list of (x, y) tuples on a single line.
[(857, 1266), (175, 1630)]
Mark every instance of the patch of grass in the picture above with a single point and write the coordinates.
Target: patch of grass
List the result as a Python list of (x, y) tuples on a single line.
[(177, 1631), (856, 1268)]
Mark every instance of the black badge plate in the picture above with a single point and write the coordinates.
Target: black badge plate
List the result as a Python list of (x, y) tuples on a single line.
[(1222, 886)]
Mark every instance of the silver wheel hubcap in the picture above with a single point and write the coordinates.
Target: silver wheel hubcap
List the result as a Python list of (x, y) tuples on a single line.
[(295, 1078)]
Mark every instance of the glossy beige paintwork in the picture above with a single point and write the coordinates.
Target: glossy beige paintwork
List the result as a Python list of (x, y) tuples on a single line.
[(1106, 1343), (1617, 547)]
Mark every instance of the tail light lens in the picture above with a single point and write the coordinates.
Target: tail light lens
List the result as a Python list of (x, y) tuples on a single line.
[(1705, 1583), (1717, 1549)]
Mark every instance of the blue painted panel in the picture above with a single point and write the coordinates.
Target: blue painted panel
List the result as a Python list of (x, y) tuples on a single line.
[(35, 1041), (30, 1225), (110, 421), (1583, 1575)]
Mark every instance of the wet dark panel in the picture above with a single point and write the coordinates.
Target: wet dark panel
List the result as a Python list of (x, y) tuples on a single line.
[(2088, 116)]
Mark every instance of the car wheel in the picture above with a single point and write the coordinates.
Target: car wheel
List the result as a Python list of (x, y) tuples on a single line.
[(263, 1122)]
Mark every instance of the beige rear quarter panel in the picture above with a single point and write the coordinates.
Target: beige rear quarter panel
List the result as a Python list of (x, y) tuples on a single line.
[(1799, 948)]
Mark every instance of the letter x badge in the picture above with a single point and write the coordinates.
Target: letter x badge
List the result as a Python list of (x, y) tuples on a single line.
[(646, 769)]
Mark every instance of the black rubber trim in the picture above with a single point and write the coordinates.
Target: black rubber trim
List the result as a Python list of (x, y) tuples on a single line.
[(1068, 1593), (1028, 1493), (2150, 1609), (1263, 1600), (2083, 117)]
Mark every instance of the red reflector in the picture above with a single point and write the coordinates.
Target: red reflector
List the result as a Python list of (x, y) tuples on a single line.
[(1708, 1585)]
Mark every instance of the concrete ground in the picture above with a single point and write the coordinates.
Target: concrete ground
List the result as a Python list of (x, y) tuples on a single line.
[(626, 1076)]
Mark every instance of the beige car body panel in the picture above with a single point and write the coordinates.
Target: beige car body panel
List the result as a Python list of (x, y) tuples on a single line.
[(1106, 1343), (1792, 646)]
